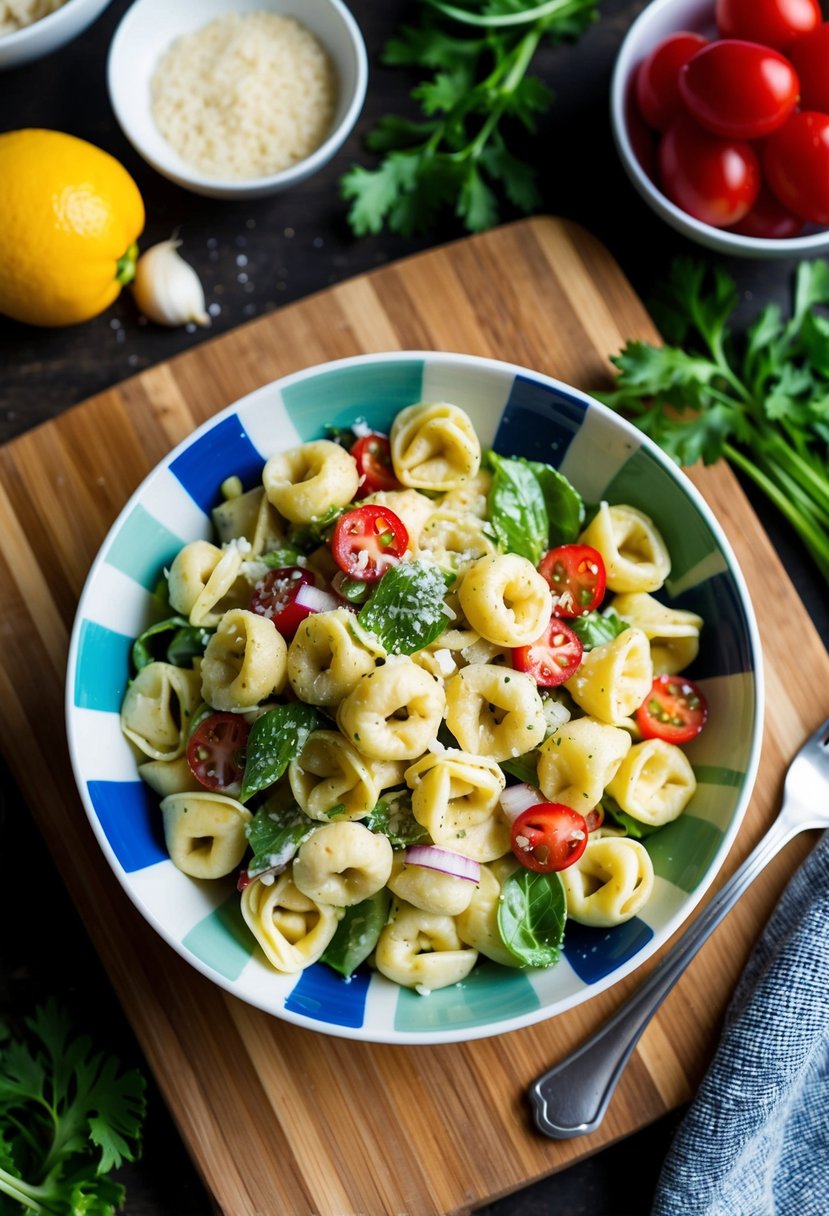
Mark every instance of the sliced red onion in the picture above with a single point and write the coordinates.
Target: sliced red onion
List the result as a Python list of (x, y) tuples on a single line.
[(518, 798), (316, 599), (432, 858)]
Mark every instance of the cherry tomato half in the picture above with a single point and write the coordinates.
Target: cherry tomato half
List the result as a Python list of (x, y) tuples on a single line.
[(739, 90), (216, 751), (796, 165), (373, 456), (367, 541), (674, 710), (715, 180), (768, 219), (657, 79), (274, 596), (549, 836), (577, 576), (552, 658), (809, 56), (772, 22)]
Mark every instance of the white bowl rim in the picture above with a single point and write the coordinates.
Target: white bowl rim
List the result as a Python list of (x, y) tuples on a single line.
[(720, 238), (522, 1021), (50, 22), (184, 175)]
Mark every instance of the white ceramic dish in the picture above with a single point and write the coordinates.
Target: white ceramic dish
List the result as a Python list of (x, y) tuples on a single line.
[(659, 19), (145, 33), (516, 411), (44, 36)]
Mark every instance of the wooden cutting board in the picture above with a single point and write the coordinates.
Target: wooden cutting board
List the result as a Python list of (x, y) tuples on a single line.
[(279, 1119)]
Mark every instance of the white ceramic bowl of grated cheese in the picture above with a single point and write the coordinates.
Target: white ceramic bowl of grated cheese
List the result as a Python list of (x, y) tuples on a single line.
[(237, 99), (42, 27)]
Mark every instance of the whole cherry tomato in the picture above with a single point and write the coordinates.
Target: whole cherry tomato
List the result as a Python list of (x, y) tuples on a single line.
[(657, 79), (772, 22), (810, 59), (796, 165), (739, 90), (768, 219), (715, 180)]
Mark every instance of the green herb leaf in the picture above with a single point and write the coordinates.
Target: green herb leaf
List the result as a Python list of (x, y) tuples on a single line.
[(393, 817), (615, 816), (517, 507), (274, 835), (597, 628), (407, 610), (531, 916), (279, 559), (357, 933), (565, 506), (276, 738), (173, 640)]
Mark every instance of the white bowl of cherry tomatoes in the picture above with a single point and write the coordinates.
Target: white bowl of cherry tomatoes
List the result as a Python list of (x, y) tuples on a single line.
[(720, 115)]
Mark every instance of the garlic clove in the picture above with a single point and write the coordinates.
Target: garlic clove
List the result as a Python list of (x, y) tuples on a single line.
[(167, 289)]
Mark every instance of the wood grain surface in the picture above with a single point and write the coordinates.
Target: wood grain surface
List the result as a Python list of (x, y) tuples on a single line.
[(278, 1119)]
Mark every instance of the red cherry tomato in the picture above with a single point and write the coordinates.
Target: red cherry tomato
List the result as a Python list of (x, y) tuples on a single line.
[(715, 180), (772, 22), (739, 90), (553, 657), (595, 818), (674, 710), (367, 541), (373, 456), (577, 576), (810, 58), (796, 165), (549, 836), (657, 79), (216, 751), (274, 596), (768, 219)]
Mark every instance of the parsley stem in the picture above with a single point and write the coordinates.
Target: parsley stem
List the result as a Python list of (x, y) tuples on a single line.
[(19, 1191), (523, 17)]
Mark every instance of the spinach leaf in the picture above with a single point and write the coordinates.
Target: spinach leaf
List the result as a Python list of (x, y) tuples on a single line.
[(565, 506), (524, 768), (407, 611), (597, 628), (186, 643), (393, 817), (531, 916), (517, 507), (275, 740), (274, 836), (357, 933)]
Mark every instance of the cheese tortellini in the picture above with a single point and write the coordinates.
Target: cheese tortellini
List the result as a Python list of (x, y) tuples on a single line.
[(349, 751)]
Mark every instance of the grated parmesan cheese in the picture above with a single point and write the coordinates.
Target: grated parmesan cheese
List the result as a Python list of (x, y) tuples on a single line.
[(248, 95)]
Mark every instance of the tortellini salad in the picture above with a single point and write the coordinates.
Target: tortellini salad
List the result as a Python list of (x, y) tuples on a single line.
[(420, 700)]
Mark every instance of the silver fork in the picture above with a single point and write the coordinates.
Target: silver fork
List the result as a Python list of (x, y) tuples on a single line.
[(571, 1099)]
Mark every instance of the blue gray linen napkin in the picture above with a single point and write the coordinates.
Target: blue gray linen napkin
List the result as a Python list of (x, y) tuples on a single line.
[(755, 1139)]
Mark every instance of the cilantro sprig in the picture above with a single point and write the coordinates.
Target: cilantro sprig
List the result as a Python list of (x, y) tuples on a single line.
[(68, 1117), (477, 57), (759, 399)]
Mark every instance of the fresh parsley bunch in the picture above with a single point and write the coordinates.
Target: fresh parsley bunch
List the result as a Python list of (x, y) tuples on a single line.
[(67, 1118), (760, 399), (478, 58)]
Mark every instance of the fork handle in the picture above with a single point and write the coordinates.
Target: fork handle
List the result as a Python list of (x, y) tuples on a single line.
[(571, 1098)]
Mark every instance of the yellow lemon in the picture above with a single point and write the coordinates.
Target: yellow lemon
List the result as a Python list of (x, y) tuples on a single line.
[(70, 216)]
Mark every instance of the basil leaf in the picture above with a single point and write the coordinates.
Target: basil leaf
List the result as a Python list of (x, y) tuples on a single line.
[(187, 642), (634, 828), (565, 506), (274, 836), (393, 817), (523, 768), (407, 611), (275, 740), (357, 933), (531, 916), (597, 628), (517, 507)]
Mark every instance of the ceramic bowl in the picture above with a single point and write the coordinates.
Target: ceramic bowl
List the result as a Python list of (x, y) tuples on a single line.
[(518, 412), (53, 31), (658, 20), (150, 26)]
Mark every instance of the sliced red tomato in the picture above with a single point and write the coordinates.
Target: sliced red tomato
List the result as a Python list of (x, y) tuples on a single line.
[(739, 90), (674, 710), (595, 818), (549, 836), (553, 657), (373, 456), (657, 78), (772, 22), (716, 180), (367, 541), (274, 596), (216, 751), (577, 576)]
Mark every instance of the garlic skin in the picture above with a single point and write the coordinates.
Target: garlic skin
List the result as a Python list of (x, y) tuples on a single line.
[(167, 289)]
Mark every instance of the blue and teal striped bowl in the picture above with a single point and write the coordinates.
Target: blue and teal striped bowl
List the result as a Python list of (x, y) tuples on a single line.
[(518, 412)]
